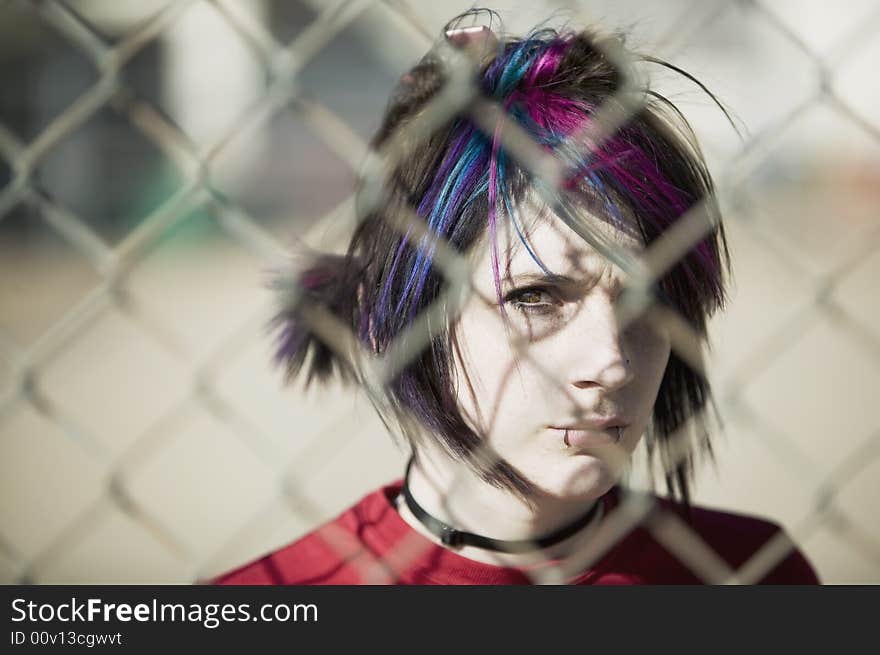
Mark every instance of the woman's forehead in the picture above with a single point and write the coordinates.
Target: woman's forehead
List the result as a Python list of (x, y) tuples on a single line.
[(556, 246)]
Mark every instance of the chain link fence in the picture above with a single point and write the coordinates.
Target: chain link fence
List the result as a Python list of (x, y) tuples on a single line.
[(158, 159)]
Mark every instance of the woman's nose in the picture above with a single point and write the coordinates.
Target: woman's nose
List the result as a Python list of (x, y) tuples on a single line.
[(598, 350)]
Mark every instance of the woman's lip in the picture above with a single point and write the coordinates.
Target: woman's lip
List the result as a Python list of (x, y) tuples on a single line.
[(599, 424), (580, 437)]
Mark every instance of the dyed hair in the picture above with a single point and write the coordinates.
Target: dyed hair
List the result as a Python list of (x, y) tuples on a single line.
[(462, 182)]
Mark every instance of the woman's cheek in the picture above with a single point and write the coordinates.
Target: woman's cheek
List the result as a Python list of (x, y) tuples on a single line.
[(485, 364), (652, 357)]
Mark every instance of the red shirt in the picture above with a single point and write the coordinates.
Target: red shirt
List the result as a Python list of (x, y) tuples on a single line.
[(370, 543)]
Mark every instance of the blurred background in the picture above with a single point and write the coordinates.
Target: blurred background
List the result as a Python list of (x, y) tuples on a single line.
[(159, 158)]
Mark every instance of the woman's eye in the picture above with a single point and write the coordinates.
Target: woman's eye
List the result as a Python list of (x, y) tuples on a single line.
[(532, 300)]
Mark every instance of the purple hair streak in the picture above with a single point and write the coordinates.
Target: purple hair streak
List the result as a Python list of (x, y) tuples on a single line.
[(475, 165)]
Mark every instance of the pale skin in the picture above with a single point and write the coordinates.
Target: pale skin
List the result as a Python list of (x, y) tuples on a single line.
[(577, 363)]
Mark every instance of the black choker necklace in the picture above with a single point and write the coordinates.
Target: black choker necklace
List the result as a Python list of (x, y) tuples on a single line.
[(449, 536)]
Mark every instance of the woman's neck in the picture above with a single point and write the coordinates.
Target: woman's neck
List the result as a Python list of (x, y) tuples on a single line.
[(450, 492)]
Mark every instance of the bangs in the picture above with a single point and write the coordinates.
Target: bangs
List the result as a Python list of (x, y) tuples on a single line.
[(641, 180)]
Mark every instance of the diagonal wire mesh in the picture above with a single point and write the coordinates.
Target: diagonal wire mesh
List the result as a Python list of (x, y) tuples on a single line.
[(122, 492)]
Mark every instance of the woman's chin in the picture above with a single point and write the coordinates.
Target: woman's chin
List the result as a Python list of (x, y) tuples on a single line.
[(612, 460), (582, 478)]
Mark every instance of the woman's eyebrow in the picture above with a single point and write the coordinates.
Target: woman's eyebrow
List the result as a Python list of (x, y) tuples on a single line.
[(583, 279), (544, 278)]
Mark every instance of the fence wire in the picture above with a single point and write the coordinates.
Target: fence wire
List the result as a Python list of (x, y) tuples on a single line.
[(121, 469)]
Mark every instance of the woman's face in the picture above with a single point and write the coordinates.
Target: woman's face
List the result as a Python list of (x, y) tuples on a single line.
[(552, 410)]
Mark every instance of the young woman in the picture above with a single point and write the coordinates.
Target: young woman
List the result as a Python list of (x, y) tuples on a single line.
[(595, 254)]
